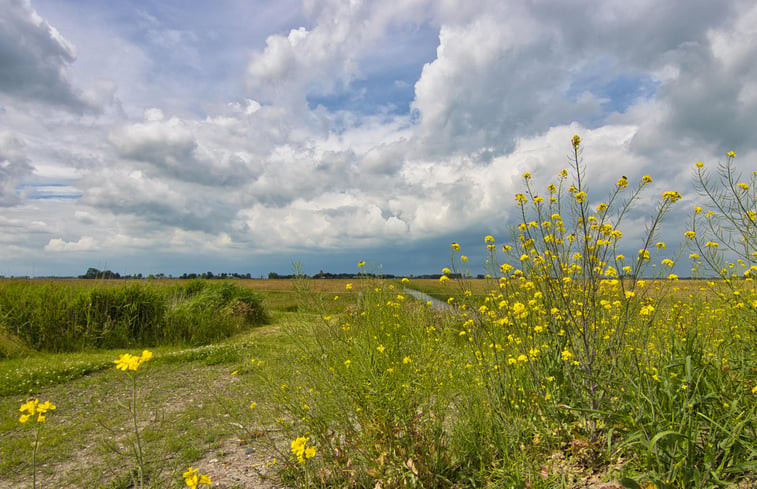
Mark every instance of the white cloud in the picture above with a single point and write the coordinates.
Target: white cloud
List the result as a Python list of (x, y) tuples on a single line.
[(35, 57), (85, 243)]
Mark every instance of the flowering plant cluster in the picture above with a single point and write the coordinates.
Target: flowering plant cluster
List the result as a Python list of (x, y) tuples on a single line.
[(34, 407)]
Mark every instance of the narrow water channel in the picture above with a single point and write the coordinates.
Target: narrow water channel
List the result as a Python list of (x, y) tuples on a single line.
[(427, 298)]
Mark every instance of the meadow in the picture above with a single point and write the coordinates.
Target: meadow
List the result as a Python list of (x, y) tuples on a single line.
[(570, 365)]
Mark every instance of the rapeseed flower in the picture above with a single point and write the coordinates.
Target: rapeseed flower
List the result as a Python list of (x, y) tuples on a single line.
[(671, 196), (193, 479), (33, 407), (300, 449), (127, 361)]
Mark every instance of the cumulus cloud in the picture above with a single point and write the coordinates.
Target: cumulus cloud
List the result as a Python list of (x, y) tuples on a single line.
[(35, 57), (14, 165), (85, 243)]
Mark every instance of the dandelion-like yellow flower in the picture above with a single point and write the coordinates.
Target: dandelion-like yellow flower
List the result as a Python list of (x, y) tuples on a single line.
[(622, 182), (699, 164), (526, 175), (646, 179), (690, 234), (193, 479), (711, 244), (381, 348), (743, 186), (443, 279), (566, 355), (127, 361), (32, 407), (348, 287), (581, 197), (731, 154), (489, 239), (660, 245), (455, 246)]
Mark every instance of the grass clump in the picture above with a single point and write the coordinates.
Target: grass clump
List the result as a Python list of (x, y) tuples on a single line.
[(56, 317)]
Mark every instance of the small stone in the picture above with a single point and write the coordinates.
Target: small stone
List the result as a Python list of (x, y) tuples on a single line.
[(249, 451)]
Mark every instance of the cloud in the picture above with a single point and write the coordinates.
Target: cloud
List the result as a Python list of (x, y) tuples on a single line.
[(14, 165), (85, 243), (35, 57)]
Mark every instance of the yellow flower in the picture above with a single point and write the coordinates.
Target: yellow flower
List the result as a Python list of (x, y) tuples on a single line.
[(731, 154), (711, 244), (646, 179), (671, 196), (699, 164), (455, 246), (381, 348), (193, 479), (463, 258), (361, 264), (443, 279), (622, 182), (32, 407), (489, 239), (660, 245), (581, 197), (754, 389), (690, 234), (301, 451), (576, 141), (127, 361), (446, 271), (566, 355), (348, 287), (526, 175), (407, 360), (743, 186)]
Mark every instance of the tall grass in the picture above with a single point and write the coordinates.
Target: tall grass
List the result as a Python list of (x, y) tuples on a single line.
[(56, 317)]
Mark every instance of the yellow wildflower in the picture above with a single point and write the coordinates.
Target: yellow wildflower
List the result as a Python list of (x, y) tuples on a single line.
[(192, 479), (127, 361)]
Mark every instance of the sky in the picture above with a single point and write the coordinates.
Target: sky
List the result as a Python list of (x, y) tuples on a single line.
[(173, 136)]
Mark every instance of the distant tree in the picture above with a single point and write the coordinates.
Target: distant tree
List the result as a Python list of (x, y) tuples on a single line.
[(94, 273)]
